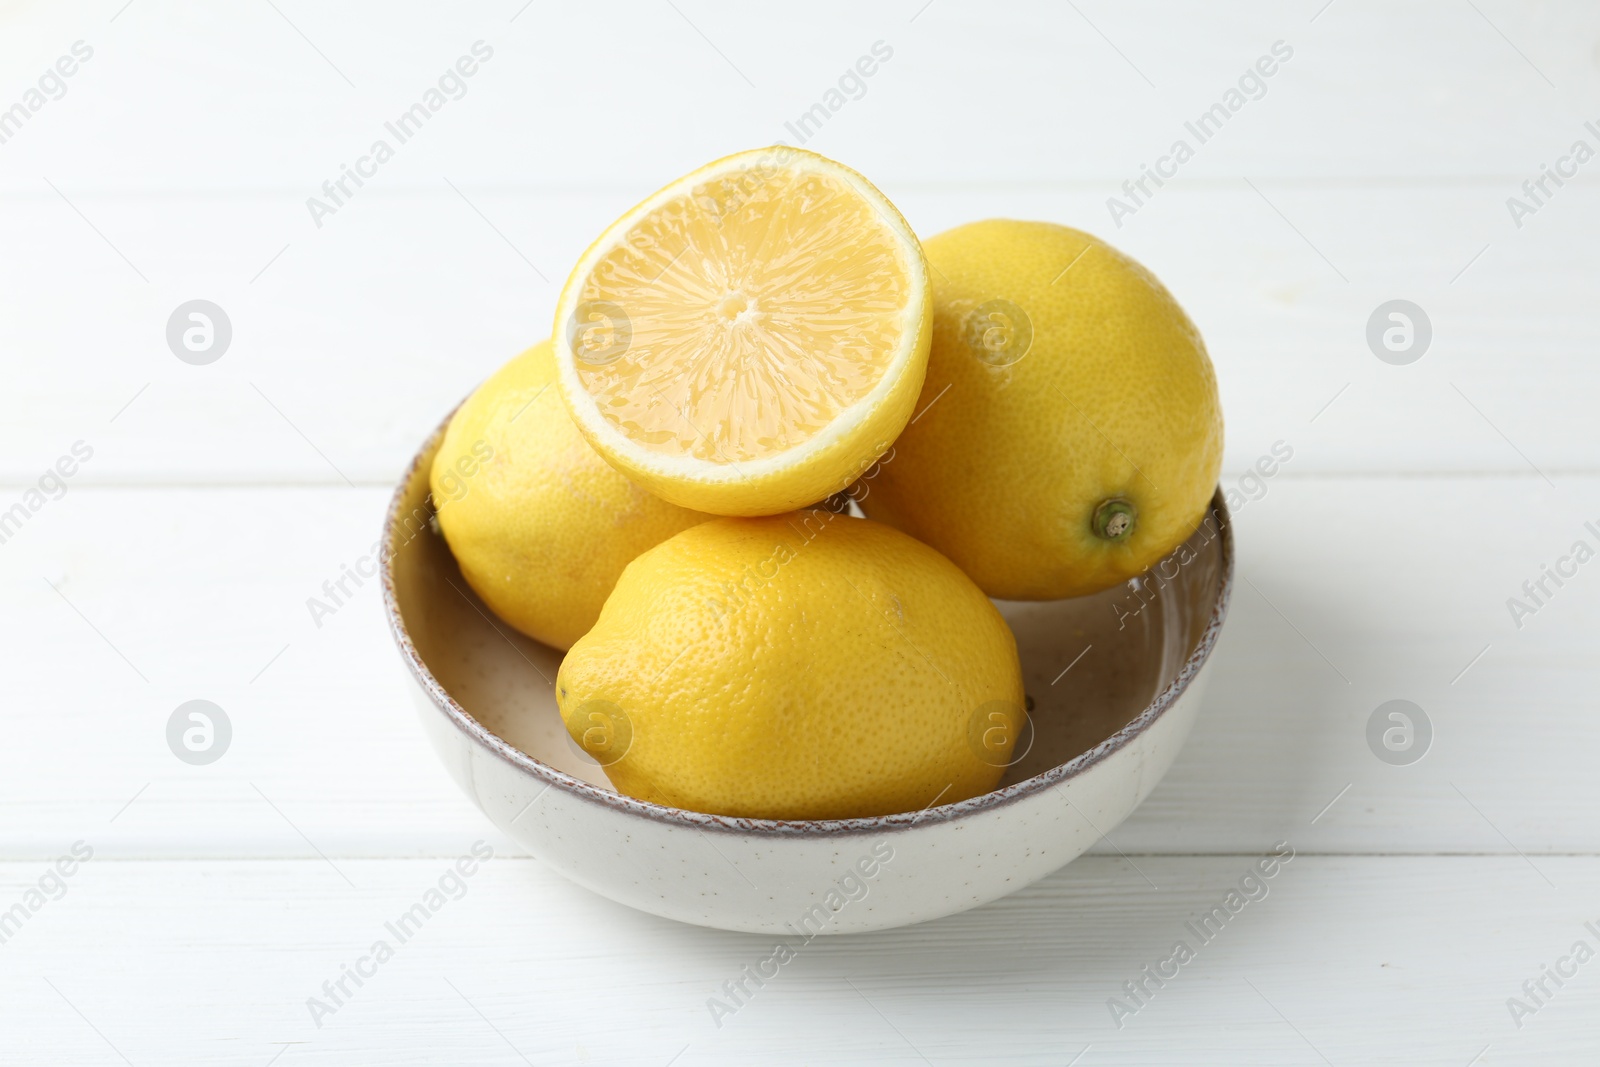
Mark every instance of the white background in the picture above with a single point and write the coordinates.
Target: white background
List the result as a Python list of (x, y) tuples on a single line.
[(219, 498)]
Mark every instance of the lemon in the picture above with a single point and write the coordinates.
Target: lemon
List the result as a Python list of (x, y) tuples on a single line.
[(801, 666), (1069, 433), (751, 337), (540, 525)]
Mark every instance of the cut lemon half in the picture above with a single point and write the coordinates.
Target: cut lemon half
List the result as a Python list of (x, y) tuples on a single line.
[(751, 338)]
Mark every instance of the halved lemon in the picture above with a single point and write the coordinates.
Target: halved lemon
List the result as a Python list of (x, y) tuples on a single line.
[(749, 339)]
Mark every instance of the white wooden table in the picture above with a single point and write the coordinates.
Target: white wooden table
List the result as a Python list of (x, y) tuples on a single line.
[(1376, 565)]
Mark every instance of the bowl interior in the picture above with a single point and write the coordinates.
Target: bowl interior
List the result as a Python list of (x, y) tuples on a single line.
[(1090, 664)]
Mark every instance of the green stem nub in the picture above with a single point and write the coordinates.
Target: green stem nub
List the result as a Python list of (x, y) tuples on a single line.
[(1114, 519)]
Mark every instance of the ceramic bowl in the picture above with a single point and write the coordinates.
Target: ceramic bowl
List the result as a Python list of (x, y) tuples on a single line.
[(1114, 682)]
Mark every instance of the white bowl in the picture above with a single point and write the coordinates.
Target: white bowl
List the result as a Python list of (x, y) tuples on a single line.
[(1114, 682)]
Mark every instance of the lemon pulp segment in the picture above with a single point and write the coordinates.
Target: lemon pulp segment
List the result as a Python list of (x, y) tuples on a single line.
[(756, 312)]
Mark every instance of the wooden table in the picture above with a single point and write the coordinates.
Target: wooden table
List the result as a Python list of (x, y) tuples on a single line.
[(1380, 562)]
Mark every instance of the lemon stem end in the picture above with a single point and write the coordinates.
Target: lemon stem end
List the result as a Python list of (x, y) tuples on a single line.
[(1114, 519)]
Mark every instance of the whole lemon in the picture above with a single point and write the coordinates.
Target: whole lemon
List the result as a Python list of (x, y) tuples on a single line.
[(801, 666), (540, 525), (1069, 434)]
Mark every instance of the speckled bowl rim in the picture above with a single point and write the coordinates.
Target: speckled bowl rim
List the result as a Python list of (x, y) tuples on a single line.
[(779, 828)]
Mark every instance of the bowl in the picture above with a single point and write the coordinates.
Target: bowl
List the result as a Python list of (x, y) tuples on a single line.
[(1114, 682)]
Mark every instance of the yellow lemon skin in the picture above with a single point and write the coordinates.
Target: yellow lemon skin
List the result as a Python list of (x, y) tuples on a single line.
[(540, 525), (1063, 376), (800, 666)]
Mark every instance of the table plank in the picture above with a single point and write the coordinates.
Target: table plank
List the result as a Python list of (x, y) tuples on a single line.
[(1352, 592), (357, 340), (1020, 91), (1345, 960)]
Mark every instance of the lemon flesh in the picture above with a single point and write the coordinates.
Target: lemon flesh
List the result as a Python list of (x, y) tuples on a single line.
[(802, 666), (1070, 433), (540, 526), (750, 338)]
